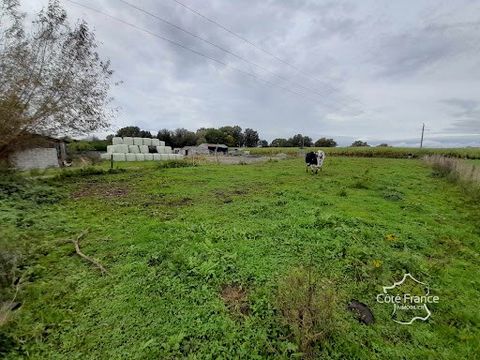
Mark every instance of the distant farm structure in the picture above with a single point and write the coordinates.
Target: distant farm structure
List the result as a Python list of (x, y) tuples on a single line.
[(39, 152), (204, 149)]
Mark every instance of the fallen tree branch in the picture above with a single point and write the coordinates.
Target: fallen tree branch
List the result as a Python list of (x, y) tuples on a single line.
[(76, 242)]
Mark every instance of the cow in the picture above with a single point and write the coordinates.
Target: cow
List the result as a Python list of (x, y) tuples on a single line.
[(314, 161)]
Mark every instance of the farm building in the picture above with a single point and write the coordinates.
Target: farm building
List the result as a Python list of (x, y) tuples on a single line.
[(204, 149), (39, 152)]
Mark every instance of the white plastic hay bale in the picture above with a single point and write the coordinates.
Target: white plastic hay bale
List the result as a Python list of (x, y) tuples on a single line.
[(133, 149), (161, 143), (147, 141), (131, 157), (105, 156), (155, 142), (119, 157), (137, 141), (156, 157), (119, 149), (161, 149), (148, 157), (122, 148), (140, 157), (144, 149), (117, 140), (164, 157), (128, 140), (178, 156), (168, 150)]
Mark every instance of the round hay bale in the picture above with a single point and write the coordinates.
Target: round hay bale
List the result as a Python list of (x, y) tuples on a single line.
[(131, 157), (119, 157), (133, 149), (161, 149), (128, 140)]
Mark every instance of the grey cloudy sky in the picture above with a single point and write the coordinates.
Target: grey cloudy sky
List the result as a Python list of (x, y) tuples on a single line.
[(370, 70)]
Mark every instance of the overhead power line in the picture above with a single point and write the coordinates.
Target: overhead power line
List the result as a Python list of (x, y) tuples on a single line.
[(173, 42), (283, 78), (238, 36)]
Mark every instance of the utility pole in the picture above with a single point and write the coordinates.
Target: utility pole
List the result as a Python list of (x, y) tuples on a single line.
[(423, 130)]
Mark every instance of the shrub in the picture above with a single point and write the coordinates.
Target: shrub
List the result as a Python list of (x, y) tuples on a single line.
[(88, 145), (307, 308), (17, 187), (87, 171), (174, 164)]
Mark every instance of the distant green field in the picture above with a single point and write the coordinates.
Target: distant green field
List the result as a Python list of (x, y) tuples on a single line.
[(174, 239), (386, 152)]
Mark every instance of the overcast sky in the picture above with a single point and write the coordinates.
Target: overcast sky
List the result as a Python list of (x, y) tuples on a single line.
[(370, 70)]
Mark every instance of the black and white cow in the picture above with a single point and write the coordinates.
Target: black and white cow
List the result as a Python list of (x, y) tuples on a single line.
[(314, 160)]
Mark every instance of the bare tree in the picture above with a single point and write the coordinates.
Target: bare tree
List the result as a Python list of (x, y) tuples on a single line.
[(52, 80)]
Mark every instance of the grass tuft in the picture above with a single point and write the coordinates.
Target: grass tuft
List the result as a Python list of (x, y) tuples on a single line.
[(455, 170)]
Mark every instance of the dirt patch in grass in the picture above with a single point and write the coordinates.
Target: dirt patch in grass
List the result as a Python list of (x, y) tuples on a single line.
[(226, 196), (182, 201), (100, 190), (235, 298)]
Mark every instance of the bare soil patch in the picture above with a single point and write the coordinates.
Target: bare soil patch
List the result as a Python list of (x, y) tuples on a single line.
[(100, 190)]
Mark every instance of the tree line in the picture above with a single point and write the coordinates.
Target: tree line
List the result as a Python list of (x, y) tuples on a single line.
[(232, 136)]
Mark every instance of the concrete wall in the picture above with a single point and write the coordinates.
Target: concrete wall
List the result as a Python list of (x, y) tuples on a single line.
[(35, 158)]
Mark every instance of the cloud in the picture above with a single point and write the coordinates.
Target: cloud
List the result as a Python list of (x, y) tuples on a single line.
[(357, 69), (467, 113)]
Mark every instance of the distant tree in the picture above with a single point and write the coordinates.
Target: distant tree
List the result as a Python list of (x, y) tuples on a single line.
[(109, 138), (233, 135), (166, 136), (359, 143), (183, 137), (129, 131), (300, 141), (307, 141), (145, 134), (251, 138), (324, 142), (52, 79), (216, 136), (279, 143), (383, 145), (263, 143)]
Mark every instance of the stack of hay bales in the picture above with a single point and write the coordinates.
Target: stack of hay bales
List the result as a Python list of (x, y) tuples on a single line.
[(138, 149)]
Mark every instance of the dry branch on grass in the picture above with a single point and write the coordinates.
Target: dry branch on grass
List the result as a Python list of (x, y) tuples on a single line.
[(76, 242)]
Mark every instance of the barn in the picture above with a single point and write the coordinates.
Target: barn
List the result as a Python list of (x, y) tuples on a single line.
[(39, 152), (204, 149)]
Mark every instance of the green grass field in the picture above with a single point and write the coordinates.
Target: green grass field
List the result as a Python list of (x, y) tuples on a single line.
[(385, 152), (174, 239)]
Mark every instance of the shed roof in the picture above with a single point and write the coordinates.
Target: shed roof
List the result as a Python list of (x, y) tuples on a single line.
[(213, 145)]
